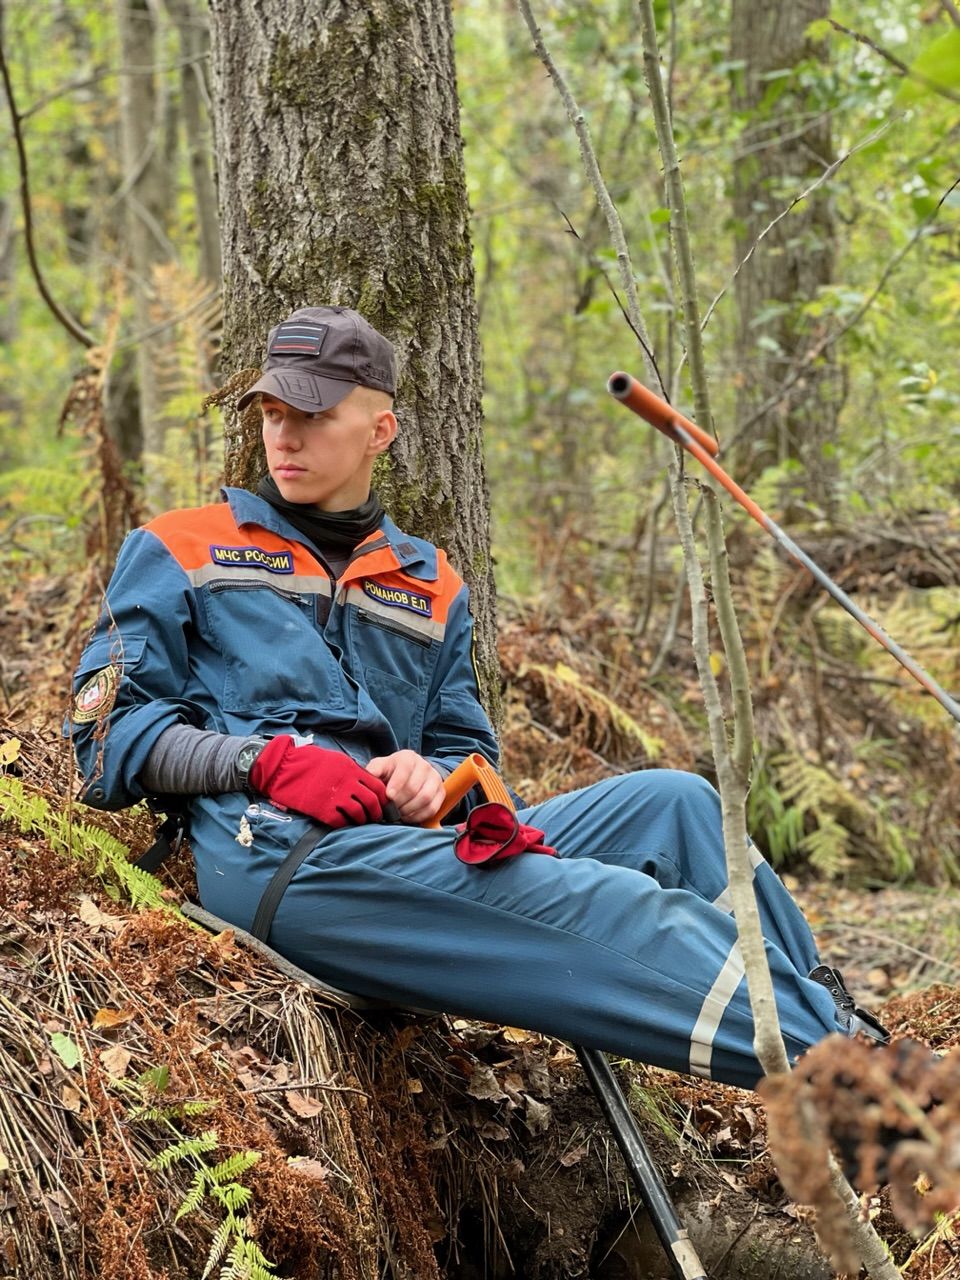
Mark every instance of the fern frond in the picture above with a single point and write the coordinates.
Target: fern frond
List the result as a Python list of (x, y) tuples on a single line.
[(232, 1195), (230, 1169), (597, 702), (246, 1262), (827, 847), (91, 846), (185, 1149), (194, 1197), (218, 1247)]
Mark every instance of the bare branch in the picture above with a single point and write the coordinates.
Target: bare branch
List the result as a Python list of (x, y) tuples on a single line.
[(802, 195), (821, 345), (894, 61), (590, 163), (73, 327), (73, 85)]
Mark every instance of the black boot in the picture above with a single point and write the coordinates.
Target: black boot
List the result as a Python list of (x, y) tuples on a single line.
[(852, 1017)]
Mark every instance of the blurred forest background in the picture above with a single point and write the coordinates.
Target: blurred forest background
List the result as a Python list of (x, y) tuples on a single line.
[(819, 150)]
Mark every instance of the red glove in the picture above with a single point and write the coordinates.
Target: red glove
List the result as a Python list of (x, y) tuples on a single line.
[(326, 785), (492, 832)]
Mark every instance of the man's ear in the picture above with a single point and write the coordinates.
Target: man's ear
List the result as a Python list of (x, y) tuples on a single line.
[(384, 430)]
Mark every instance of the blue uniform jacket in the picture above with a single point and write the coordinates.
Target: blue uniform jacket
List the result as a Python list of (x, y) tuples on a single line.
[(211, 618)]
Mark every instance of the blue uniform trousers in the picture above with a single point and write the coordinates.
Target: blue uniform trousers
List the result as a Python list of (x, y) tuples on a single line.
[(624, 943)]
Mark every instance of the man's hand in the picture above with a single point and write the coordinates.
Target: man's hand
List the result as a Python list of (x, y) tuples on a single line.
[(413, 784), (323, 784)]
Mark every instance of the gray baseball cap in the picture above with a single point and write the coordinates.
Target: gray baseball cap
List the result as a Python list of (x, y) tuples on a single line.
[(319, 354)]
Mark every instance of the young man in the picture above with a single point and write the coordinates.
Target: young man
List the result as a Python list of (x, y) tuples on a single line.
[(300, 669)]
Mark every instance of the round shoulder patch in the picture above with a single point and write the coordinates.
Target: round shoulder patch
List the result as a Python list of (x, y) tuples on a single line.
[(96, 697)]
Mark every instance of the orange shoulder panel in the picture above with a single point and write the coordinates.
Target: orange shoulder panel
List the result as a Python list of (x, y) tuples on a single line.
[(189, 534), (382, 565)]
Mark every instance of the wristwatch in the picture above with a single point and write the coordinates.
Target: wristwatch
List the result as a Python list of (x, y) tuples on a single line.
[(245, 761)]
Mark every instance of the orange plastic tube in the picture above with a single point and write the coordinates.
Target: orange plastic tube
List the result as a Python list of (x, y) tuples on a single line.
[(475, 771), (656, 411)]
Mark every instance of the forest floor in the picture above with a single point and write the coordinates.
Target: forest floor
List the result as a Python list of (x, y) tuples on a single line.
[(483, 1149)]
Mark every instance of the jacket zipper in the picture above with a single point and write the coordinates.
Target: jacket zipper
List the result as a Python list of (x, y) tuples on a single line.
[(227, 585), (374, 620)]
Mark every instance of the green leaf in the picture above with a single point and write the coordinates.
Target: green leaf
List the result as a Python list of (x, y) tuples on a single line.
[(938, 67), (818, 29), (65, 1047), (157, 1078)]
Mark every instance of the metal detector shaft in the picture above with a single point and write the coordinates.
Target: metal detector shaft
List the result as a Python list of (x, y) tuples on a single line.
[(644, 1173), (672, 424)]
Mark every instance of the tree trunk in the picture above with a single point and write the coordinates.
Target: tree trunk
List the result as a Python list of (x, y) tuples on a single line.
[(785, 145), (146, 186), (341, 181)]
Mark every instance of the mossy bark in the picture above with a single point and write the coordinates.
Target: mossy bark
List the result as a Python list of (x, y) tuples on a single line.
[(341, 181)]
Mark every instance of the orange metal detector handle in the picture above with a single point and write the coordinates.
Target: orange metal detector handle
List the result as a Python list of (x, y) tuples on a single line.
[(657, 412), (475, 771)]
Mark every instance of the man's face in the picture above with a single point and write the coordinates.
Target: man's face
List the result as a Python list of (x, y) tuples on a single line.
[(326, 458)]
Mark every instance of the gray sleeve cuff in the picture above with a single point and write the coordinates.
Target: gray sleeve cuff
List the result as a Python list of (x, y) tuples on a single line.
[(187, 761)]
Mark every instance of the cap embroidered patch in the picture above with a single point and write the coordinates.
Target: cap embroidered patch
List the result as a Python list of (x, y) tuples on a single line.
[(242, 557), (95, 699), (398, 598), (298, 338)]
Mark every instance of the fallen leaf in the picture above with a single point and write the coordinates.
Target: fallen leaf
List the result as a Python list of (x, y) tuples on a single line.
[(109, 1019), (516, 1035), (563, 1057), (302, 1106), (94, 918), (483, 1084), (115, 1061), (71, 1098), (66, 1050), (314, 1169), (495, 1132), (57, 1205), (224, 941), (9, 750), (537, 1115), (574, 1155), (460, 1063), (414, 1085)]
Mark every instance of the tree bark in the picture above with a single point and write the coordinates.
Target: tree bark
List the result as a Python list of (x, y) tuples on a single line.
[(341, 181), (785, 144)]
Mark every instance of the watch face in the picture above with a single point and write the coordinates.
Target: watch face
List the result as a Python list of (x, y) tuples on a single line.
[(247, 754)]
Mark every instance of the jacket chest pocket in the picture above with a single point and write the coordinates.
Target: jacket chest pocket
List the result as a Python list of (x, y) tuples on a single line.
[(273, 655), (396, 663)]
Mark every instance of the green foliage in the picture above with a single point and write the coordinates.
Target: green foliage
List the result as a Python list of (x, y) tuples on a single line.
[(800, 810), (935, 69), (91, 846), (215, 1187), (65, 1047)]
